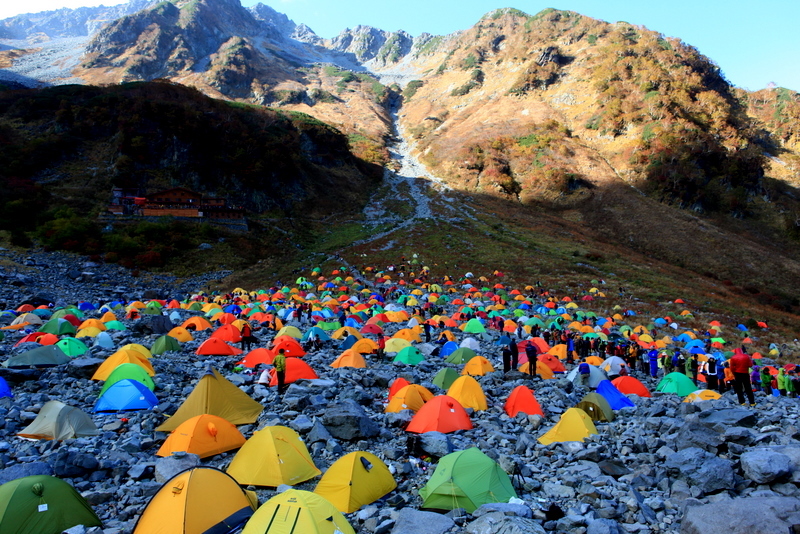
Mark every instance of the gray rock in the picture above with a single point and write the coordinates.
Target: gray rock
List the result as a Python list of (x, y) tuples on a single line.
[(500, 523), (24, 470), (518, 510), (436, 444), (758, 515), (302, 424), (73, 463), (317, 433), (603, 526), (348, 420), (168, 467), (557, 491), (764, 466), (720, 420), (410, 521), (701, 469), (694, 434)]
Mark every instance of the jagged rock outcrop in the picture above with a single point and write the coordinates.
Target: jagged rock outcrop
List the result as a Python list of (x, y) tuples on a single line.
[(82, 21), (366, 43)]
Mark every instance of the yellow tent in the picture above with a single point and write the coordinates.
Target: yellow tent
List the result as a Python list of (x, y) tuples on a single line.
[(468, 393), (298, 512), (354, 480), (291, 331), (410, 397), (541, 369), (198, 500), (204, 435), (273, 456), (138, 348), (92, 323), (477, 366), (181, 334), (216, 396), (120, 357), (701, 395), (345, 331), (574, 425), (559, 351), (91, 331), (396, 344), (365, 346)]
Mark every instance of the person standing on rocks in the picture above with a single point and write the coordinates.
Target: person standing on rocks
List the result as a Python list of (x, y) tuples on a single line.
[(512, 346), (740, 365), (247, 336), (280, 370), (766, 380), (506, 357), (711, 373), (781, 378)]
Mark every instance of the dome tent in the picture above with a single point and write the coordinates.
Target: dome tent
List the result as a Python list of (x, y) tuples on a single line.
[(42, 504)]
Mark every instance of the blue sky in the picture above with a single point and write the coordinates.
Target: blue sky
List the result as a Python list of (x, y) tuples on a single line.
[(754, 43)]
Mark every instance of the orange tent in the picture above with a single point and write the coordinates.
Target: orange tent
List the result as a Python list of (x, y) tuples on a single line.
[(296, 369), (216, 347), (120, 357), (410, 397), (204, 435), (256, 357), (291, 347), (440, 414), (552, 362), (629, 384), (228, 333), (398, 384), (560, 351), (522, 399), (198, 323), (350, 358)]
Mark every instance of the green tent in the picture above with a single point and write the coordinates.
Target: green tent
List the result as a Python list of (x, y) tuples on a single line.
[(409, 355), (42, 504), (61, 313), (128, 371), (466, 479), (677, 383), (58, 327), (72, 347), (597, 407), (45, 356), (165, 344), (445, 378), (116, 325), (474, 326), (461, 355)]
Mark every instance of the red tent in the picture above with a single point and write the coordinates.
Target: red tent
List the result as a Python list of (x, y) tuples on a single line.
[(216, 347), (552, 362), (629, 384), (296, 369), (440, 414), (522, 399), (256, 357), (228, 332), (291, 347), (398, 384)]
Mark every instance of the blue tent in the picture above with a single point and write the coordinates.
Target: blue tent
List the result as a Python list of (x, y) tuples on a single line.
[(348, 342), (317, 332), (5, 390), (126, 395), (503, 341), (614, 396), (448, 348)]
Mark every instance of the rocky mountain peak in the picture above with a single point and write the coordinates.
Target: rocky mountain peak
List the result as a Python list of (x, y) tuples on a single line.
[(371, 44)]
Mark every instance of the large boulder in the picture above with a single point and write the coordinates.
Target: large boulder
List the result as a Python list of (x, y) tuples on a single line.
[(168, 467), (695, 434), (721, 420), (412, 521), (348, 420), (764, 466), (702, 469), (755, 515), (500, 523)]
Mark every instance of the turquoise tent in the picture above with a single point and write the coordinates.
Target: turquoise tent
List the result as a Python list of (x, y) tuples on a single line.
[(677, 383), (410, 356)]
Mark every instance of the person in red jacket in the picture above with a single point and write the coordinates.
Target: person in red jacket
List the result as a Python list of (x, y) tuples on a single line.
[(740, 363)]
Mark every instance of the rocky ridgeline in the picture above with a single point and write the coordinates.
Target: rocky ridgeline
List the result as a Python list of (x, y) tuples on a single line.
[(661, 467)]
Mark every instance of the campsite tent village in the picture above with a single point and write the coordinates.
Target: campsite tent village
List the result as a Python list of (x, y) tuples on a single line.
[(156, 415)]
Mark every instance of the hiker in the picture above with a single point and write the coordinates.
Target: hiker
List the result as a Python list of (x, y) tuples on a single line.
[(381, 352), (755, 378), (792, 383), (653, 356), (247, 336), (514, 354), (740, 365), (426, 327), (711, 373), (531, 351), (721, 384), (694, 366), (584, 371), (766, 380), (781, 378), (506, 357), (280, 369)]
